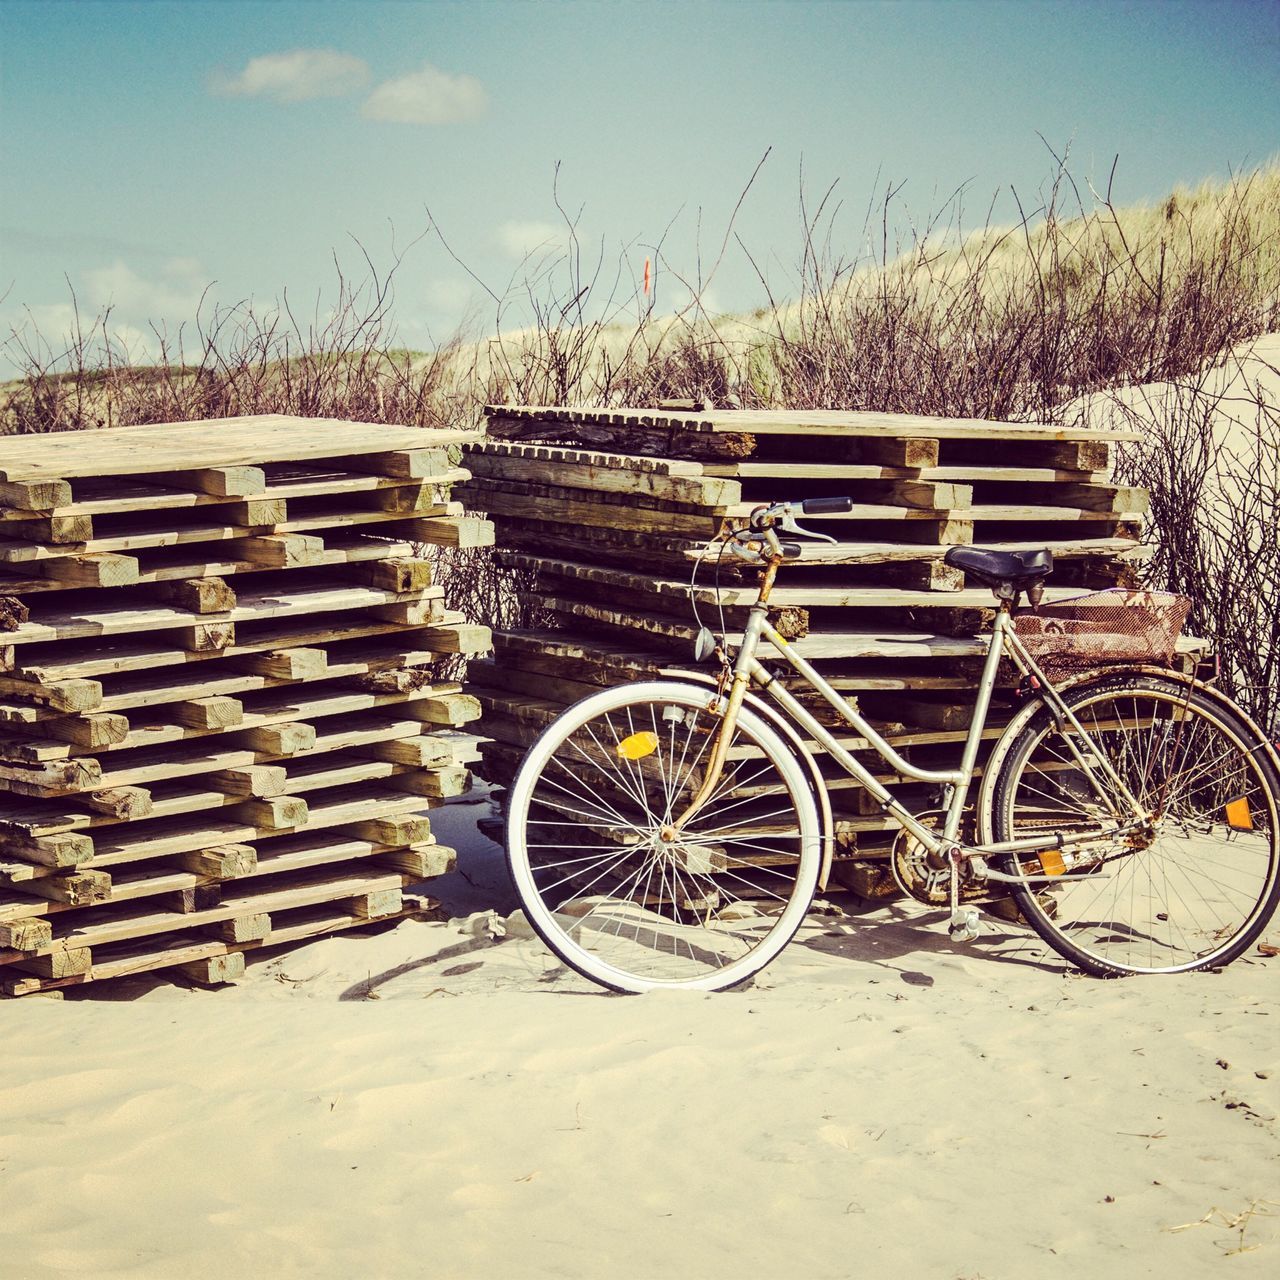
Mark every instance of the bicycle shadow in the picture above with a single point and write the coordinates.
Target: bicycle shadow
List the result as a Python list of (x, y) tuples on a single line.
[(893, 933)]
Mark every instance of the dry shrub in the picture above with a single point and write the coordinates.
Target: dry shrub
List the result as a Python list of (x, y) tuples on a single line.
[(235, 360), (1015, 323), (1009, 323), (1210, 459)]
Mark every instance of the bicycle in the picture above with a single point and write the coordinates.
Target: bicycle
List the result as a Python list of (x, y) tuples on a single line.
[(672, 833)]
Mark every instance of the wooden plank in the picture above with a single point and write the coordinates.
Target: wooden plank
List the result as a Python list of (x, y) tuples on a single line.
[(595, 458), (183, 890), (571, 470), (811, 422), (182, 446), (67, 849), (398, 575), (378, 904), (33, 542), (276, 708), (56, 964), (241, 902), (303, 663), (220, 862), (73, 662), (211, 714), (373, 812), (868, 553), (394, 652), (281, 550), (79, 889), (448, 531), (212, 971), (249, 780), (315, 924), (255, 605), (91, 569), (66, 695), (121, 803), (35, 495), (25, 935), (972, 473), (118, 495), (626, 432), (90, 729), (569, 508), (274, 812), (218, 482), (407, 464), (340, 549), (52, 530), (197, 595), (243, 928)]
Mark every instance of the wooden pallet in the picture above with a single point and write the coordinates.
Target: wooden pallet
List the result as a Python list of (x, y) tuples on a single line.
[(602, 517), (221, 727)]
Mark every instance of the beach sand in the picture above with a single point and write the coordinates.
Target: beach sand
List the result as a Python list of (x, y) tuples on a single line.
[(431, 1100), (435, 1100)]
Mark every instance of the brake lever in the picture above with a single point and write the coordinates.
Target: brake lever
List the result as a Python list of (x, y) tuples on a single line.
[(788, 524)]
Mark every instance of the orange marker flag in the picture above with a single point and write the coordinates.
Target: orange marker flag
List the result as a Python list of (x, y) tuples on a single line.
[(646, 275)]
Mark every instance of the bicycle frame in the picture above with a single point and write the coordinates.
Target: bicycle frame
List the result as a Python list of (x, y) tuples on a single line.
[(748, 670)]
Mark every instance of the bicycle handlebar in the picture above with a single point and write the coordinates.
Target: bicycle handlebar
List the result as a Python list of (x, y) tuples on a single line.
[(762, 517), (826, 506), (761, 522)]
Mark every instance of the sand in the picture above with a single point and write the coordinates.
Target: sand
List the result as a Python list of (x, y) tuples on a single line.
[(434, 1100), (443, 1099)]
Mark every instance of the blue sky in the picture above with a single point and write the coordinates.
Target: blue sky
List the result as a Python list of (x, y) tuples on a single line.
[(149, 150)]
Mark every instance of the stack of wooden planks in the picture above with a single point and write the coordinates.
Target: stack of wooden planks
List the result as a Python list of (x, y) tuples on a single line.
[(220, 717), (607, 513)]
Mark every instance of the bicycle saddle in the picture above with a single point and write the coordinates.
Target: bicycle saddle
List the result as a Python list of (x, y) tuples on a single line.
[(995, 568)]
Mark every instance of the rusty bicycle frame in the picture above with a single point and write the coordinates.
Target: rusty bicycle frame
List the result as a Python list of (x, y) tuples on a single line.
[(747, 670)]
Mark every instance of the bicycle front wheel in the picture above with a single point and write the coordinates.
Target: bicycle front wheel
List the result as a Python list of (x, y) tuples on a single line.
[(1191, 885), (614, 889)]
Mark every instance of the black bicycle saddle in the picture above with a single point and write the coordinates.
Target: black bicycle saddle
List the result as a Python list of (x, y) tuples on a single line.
[(1016, 568)]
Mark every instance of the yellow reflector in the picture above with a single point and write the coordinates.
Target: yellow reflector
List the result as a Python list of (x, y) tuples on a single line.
[(1052, 863), (638, 745), (1238, 816)]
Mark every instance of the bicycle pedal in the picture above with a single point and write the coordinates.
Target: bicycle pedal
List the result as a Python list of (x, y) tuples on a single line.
[(964, 924)]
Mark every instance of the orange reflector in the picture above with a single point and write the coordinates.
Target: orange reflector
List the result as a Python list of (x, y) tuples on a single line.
[(1238, 816), (638, 745), (1052, 863)]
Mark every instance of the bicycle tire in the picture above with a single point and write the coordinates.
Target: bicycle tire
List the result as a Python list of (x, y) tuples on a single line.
[(615, 901), (1206, 880)]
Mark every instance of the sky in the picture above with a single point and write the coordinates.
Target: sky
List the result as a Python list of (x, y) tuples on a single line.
[(155, 153)]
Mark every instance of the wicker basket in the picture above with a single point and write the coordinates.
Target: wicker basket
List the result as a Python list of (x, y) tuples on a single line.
[(1105, 626)]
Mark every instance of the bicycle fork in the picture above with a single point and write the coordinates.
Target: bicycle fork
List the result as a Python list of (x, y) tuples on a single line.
[(738, 687)]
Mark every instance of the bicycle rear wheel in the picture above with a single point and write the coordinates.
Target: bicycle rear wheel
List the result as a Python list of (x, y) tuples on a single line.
[(613, 890), (1195, 887)]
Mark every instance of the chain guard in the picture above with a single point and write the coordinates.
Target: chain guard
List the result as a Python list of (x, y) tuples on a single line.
[(909, 863)]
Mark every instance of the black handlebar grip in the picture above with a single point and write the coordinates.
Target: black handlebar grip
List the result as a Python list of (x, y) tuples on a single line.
[(826, 506), (790, 550)]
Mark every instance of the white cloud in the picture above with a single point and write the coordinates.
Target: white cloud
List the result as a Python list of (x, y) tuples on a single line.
[(520, 239), (139, 314), (49, 331), (174, 295), (427, 96), (296, 76)]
